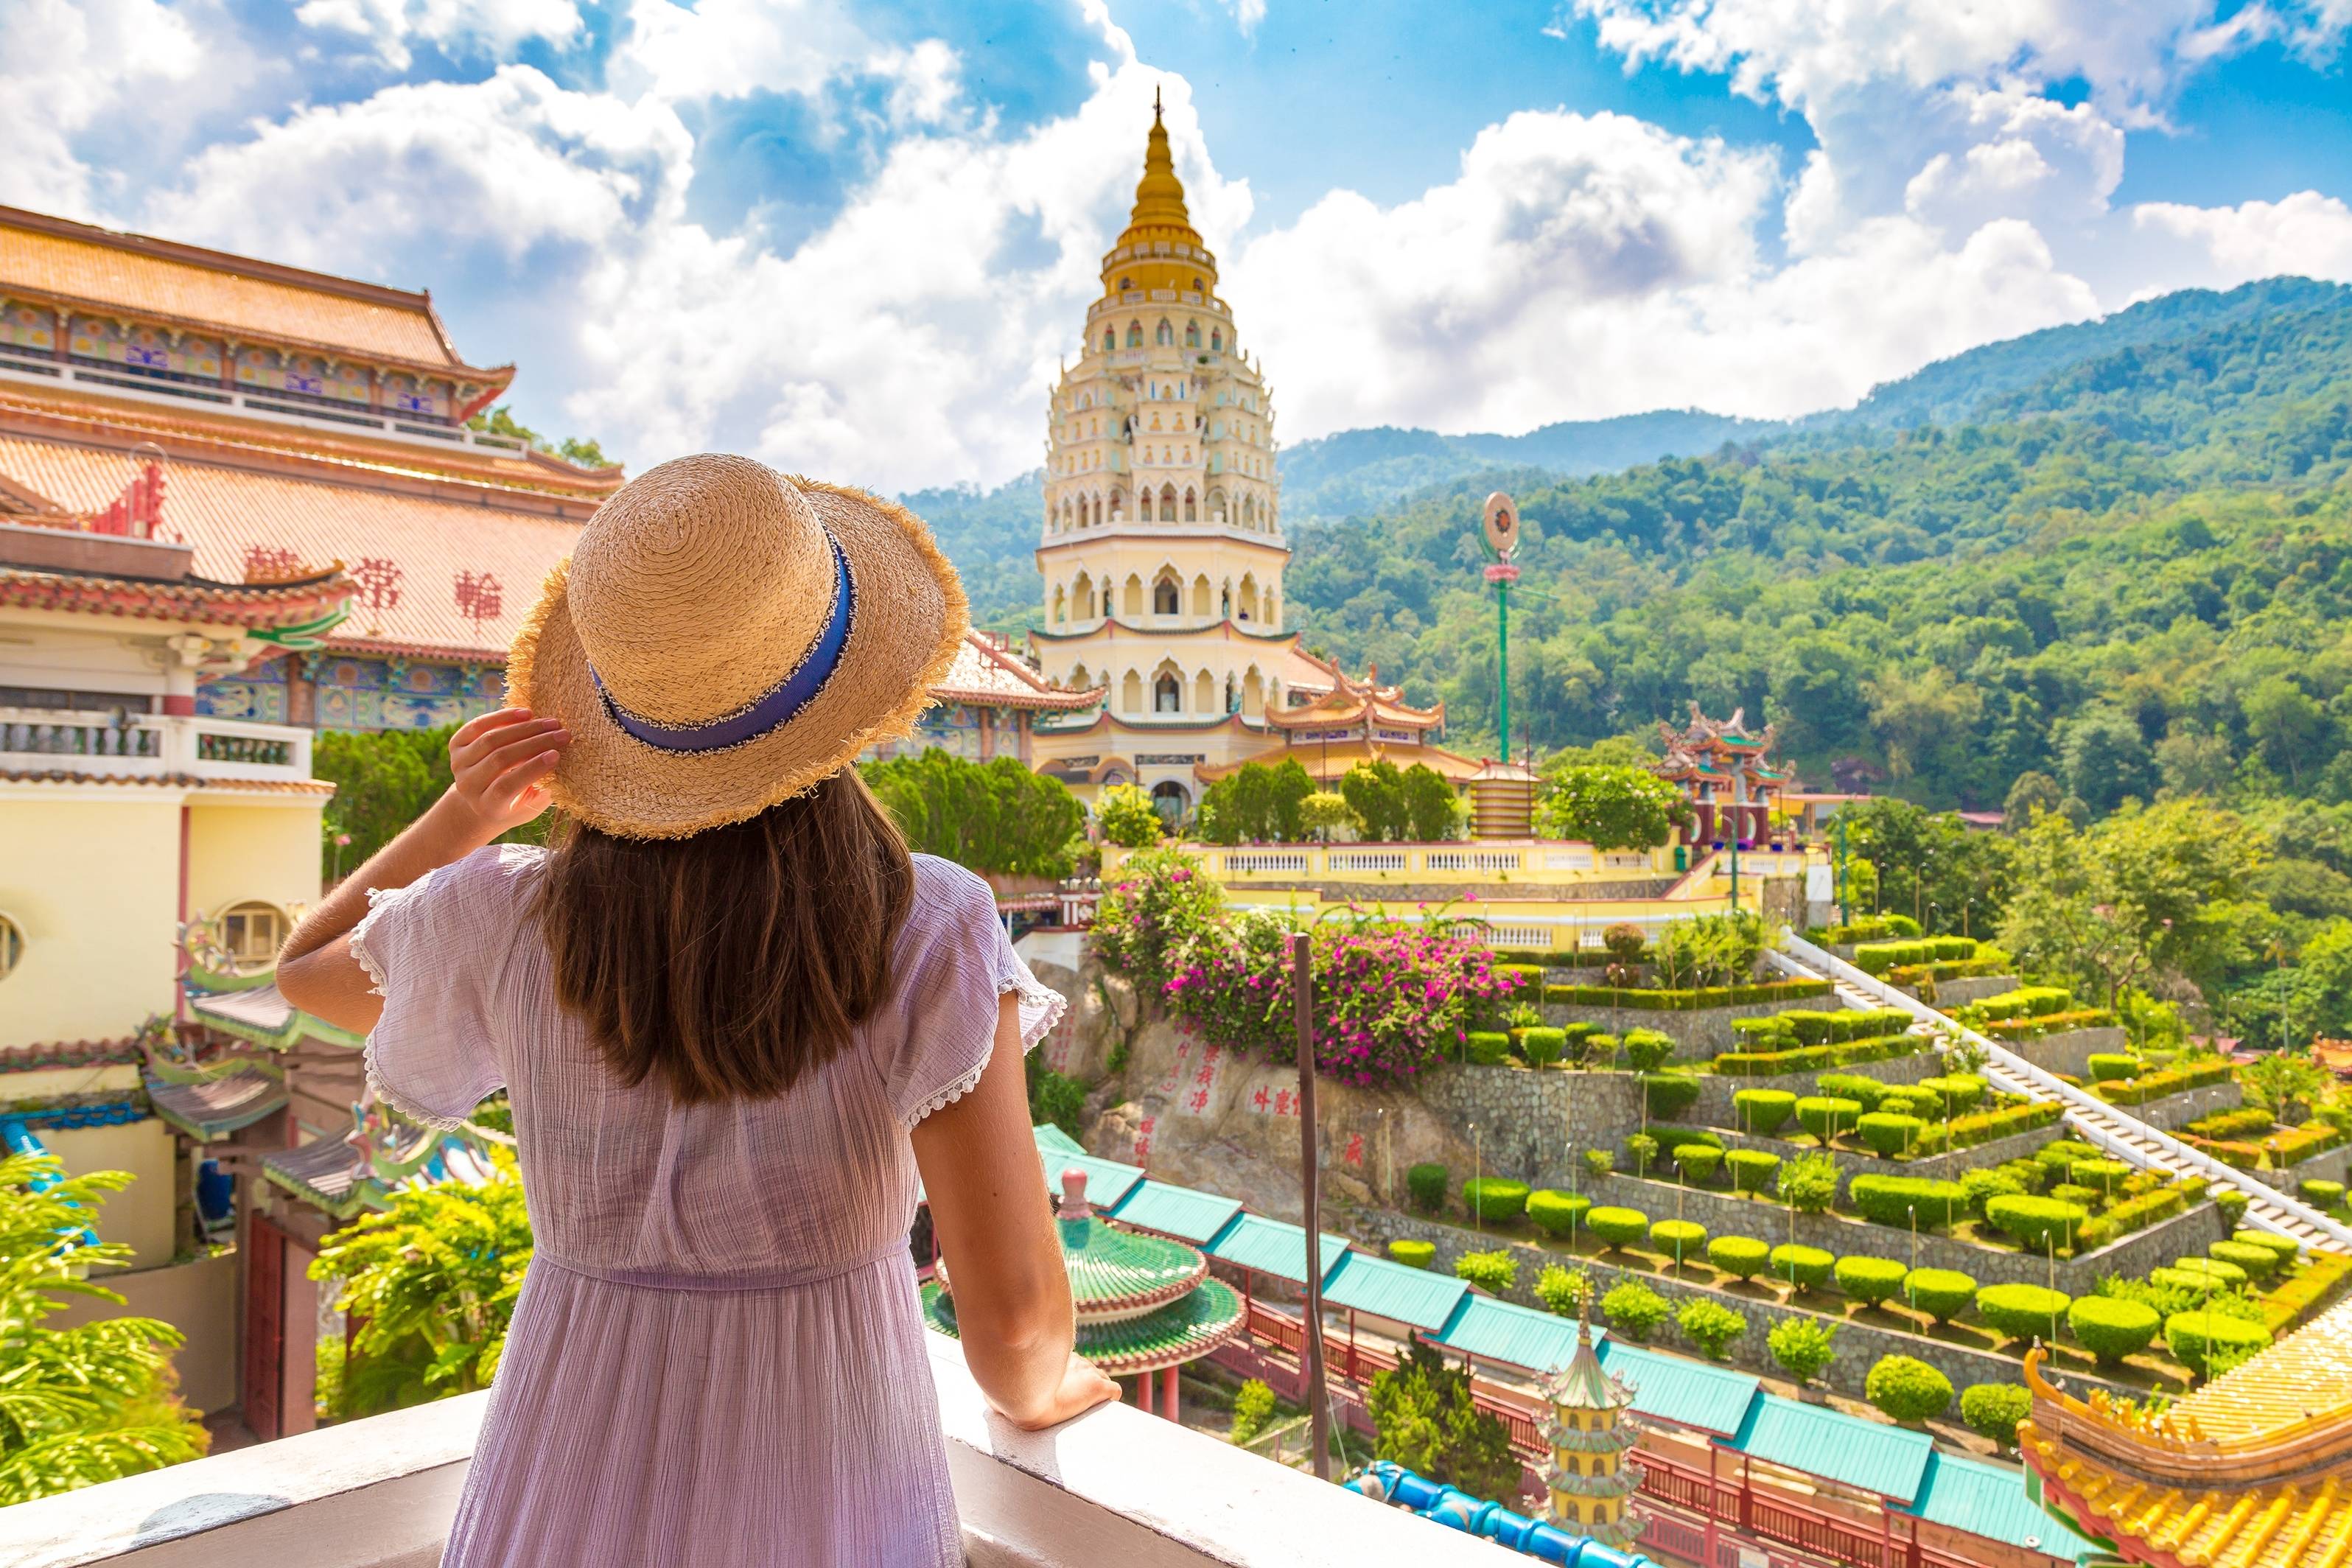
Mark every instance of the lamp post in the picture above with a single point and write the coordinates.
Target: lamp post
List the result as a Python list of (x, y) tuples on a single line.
[(1499, 521), (1477, 1167), (1318, 1406)]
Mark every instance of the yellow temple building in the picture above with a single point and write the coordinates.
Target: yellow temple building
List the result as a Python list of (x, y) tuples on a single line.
[(2252, 1470), (1162, 548)]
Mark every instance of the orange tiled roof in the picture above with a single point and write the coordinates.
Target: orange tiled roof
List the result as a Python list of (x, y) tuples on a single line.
[(52, 260), (76, 412), (405, 551), (1328, 765), (168, 781), (986, 675)]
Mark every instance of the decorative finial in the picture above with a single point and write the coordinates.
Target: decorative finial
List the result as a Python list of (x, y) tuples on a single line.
[(1073, 1195), (1155, 103), (1584, 1315)]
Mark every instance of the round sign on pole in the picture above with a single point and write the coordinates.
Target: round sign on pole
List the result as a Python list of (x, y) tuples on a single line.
[(1502, 524)]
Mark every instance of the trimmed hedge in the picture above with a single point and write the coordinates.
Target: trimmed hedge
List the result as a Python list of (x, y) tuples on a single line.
[(1542, 1046), (1557, 1212), (2103, 1176), (2157, 1085), (1764, 1112), (2110, 1328), (2195, 1282), (2220, 1270), (1487, 1048), (1994, 1410), (1890, 1135), (1617, 1227), (2049, 1024), (1773, 1063), (1865, 1092), (1670, 1094), (2037, 1222), (1698, 1161), (1742, 1256), (1412, 1254), (1942, 1293), (1870, 1279), (1891, 1200), (1494, 1197), (1647, 1050), (2258, 1262), (2321, 1193), (1985, 1126), (1878, 957), (2283, 1247), (1678, 1239), (1907, 1389), (2023, 1310), (2138, 1213), (1751, 1169), (2195, 1338), (1954, 1094), (2113, 1066), (1426, 1184), (1825, 1116), (2025, 1002), (1644, 999), (1806, 1268)]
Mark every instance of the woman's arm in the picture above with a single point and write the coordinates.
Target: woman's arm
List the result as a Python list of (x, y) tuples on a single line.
[(498, 760), (988, 1212)]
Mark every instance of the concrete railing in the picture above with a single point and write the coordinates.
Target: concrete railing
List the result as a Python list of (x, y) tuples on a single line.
[(150, 745), (1115, 1485)]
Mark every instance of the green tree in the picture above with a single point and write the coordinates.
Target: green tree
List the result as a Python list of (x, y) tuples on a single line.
[(2285, 724), (1257, 803), (384, 780), (1929, 864), (2103, 759), (1128, 817), (89, 1404), (1424, 1418), (1433, 811), (1610, 807), (433, 1280), (1375, 793), (1327, 812), (996, 816)]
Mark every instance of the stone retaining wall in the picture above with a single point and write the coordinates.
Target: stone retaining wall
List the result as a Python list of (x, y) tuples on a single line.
[(1526, 1119), (2189, 1104), (1859, 1345), (2328, 1167), (1725, 1214), (1941, 1167), (2069, 1050)]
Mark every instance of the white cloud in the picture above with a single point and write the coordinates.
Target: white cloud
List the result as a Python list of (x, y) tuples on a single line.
[(69, 64), (726, 49), (2306, 234), (470, 27), (1581, 266), (1247, 15)]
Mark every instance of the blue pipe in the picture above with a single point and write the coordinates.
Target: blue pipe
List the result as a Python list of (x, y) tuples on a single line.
[(16, 1138), (1385, 1481)]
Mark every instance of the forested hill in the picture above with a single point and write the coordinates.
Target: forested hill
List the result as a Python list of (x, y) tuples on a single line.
[(2131, 570)]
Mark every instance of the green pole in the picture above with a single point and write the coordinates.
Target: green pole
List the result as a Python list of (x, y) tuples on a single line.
[(1502, 662)]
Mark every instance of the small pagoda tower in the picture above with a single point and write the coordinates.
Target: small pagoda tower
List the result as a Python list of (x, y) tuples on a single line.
[(1145, 1304), (1589, 1476), (1726, 773)]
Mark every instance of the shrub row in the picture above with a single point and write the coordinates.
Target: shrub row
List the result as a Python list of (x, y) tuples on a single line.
[(1642, 999), (1870, 928), (2025, 1002), (1812, 1058), (1828, 1026), (2048, 1024), (1987, 961), (1892, 1200), (1985, 1126), (2157, 1085), (2276, 1151), (2238, 1123), (2138, 1213), (1878, 957)]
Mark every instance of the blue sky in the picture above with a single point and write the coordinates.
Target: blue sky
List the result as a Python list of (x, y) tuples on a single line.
[(856, 240)]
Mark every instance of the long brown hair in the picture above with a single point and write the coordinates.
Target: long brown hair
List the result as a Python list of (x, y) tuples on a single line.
[(729, 963)]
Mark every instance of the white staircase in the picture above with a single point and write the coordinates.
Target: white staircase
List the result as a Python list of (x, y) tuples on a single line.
[(2111, 1128)]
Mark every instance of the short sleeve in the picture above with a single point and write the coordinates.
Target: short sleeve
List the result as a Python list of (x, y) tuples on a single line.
[(435, 949), (959, 961)]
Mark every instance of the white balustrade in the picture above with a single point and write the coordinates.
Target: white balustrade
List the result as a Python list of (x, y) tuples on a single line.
[(150, 745)]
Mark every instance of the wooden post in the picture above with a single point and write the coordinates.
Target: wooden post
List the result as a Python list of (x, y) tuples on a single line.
[(1318, 1408)]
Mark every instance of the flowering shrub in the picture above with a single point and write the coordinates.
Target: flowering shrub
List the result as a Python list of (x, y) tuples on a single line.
[(1391, 997)]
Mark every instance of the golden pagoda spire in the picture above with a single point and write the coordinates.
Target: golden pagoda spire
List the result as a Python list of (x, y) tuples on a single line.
[(1159, 225)]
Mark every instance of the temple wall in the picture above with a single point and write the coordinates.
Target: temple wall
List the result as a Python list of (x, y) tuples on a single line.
[(267, 852), (91, 878), (139, 1216), (199, 1298)]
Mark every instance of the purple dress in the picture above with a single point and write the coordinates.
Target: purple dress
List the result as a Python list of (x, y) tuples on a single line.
[(717, 1357)]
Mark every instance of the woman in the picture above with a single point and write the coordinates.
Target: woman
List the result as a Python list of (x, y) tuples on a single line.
[(734, 1018)]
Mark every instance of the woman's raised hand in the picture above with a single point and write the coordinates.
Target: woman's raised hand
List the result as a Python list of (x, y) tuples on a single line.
[(501, 761)]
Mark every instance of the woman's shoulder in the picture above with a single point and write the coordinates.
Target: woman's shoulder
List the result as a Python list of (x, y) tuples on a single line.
[(946, 893), (493, 873)]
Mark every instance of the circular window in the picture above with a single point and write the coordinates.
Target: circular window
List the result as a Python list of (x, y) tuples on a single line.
[(250, 934), (11, 946)]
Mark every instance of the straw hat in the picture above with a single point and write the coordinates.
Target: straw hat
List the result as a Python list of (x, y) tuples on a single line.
[(725, 637)]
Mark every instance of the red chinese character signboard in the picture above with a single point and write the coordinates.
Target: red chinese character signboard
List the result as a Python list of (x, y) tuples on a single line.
[(1143, 1139), (379, 583), (1355, 1154), (478, 596)]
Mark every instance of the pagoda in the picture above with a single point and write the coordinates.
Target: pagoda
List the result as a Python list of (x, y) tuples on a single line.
[(1720, 764), (1145, 1304), (1589, 1476)]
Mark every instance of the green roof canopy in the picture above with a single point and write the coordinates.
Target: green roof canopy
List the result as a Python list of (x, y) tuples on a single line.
[(1523, 1336), (1889, 1460), (1689, 1393), (1990, 1500), (1108, 1180), (1388, 1289), (1181, 1212), (1274, 1246), (1052, 1140)]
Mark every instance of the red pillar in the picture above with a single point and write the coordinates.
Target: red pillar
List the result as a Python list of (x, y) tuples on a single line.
[(1168, 1394), (1143, 1392)]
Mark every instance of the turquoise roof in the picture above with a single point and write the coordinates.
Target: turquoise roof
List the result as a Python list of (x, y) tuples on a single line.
[(1990, 1500), (1052, 1140), (1388, 1289), (1889, 1460), (1506, 1331), (1108, 1180), (1175, 1211), (1274, 1246), (1673, 1388)]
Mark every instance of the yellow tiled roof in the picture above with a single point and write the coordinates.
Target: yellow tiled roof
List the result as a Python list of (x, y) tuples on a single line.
[(2295, 1526), (143, 276), (2306, 1375)]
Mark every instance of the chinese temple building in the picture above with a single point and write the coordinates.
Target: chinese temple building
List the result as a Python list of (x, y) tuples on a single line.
[(1723, 769), (1358, 721), (1145, 1304), (1589, 1476), (2246, 1472)]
